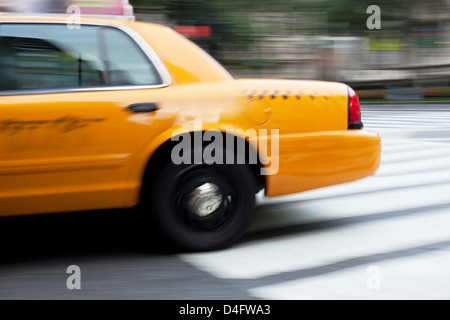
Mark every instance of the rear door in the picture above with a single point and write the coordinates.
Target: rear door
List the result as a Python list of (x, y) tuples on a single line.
[(66, 132)]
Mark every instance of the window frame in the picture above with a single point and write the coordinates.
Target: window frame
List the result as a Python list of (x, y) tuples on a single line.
[(152, 56)]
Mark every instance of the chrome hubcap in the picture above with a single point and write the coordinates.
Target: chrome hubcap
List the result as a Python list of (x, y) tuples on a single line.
[(205, 199)]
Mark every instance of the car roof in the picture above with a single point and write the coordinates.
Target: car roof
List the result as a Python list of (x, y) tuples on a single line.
[(67, 18)]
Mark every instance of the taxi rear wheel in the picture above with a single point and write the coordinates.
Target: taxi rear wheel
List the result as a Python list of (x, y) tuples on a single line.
[(202, 207)]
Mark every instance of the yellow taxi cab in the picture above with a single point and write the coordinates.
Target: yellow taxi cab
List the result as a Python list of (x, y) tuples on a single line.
[(111, 113)]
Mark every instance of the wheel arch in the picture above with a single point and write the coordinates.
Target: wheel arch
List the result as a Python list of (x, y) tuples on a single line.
[(162, 153)]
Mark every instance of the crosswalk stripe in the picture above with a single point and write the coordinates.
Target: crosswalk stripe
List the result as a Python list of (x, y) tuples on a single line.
[(402, 168), (391, 147), (417, 154), (422, 269)]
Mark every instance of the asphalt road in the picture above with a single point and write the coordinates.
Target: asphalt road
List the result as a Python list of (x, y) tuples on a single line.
[(383, 237)]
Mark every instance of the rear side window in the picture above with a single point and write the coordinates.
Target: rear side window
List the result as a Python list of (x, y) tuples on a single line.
[(127, 64), (51, 56)]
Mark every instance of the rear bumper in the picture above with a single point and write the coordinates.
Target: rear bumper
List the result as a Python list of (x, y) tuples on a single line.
[(314, 160)]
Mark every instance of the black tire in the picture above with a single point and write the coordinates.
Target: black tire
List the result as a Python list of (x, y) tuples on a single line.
[(173, 215)]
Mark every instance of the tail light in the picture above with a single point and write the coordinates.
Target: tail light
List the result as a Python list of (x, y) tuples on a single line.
[(354, 110)]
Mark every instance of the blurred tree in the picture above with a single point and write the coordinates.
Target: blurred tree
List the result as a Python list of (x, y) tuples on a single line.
[(147, 2), (340, 16), (241, 28), (229, 27)]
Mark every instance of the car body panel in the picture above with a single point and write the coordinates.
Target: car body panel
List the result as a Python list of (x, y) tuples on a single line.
[(314, 160)]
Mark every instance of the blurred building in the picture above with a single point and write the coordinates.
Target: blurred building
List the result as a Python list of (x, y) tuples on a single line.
[(33, 6), (413, 50)]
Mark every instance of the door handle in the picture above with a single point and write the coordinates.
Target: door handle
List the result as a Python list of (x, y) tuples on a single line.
[(143, 107)]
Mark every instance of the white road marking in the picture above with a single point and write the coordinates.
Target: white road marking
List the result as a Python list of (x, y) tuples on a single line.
[(420, 277)]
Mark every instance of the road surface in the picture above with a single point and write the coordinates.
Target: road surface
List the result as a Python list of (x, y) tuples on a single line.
[(383, 237)]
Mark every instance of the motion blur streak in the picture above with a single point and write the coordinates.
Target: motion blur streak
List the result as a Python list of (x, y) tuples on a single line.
[(407, 58)]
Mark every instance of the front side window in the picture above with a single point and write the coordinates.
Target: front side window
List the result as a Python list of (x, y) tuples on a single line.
[(51, 56)]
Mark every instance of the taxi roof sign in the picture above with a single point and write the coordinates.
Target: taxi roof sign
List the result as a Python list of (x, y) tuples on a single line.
[(98, 8), (105, 7)]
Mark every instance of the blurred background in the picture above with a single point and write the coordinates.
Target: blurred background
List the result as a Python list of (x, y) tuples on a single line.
[(408, 58)]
